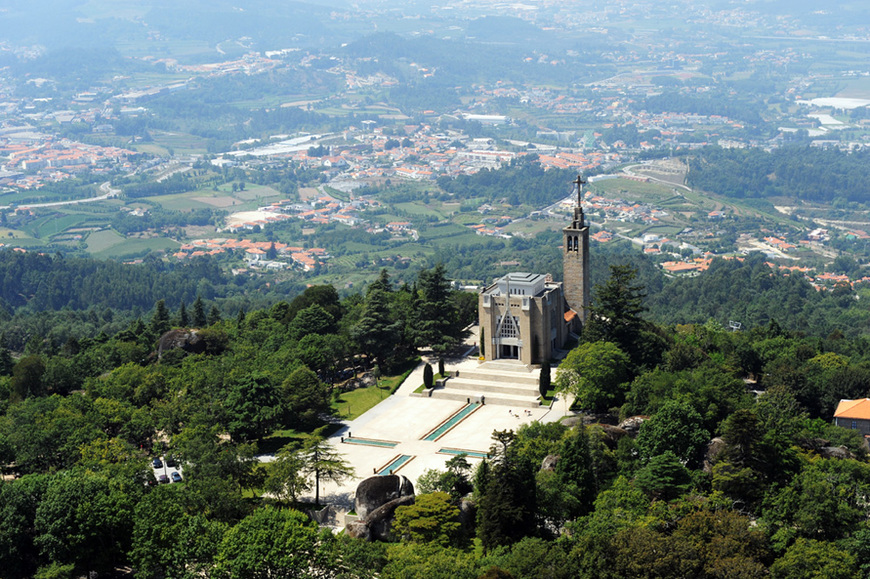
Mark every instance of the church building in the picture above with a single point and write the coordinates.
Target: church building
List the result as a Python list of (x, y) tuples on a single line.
[(526, 316)]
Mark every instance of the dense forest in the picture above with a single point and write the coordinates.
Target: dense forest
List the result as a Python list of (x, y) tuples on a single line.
[(716, 480), (523, 182), (753, 293), (717, 103), (792, 172)]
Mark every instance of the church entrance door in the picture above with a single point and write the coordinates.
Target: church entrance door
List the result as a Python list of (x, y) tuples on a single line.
[(510, 352)]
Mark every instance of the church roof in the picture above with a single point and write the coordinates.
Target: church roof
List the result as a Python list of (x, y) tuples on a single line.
[(523, 277)]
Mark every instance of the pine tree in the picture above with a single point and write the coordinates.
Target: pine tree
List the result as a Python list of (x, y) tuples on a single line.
[(377, 331), (214, 316), (436, 323), (321, 460), (183, 317), (615, 313), (574, 471), (159, 323), (6, 362), (507, 505), (199, 319)]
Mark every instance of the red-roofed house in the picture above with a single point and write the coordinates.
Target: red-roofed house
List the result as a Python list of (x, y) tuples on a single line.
[(854, 415)]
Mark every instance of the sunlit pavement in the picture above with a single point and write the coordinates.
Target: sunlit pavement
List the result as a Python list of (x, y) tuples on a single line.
[(405, 420)]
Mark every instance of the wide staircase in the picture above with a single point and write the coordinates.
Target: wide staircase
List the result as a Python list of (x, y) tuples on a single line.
[(505, 382)]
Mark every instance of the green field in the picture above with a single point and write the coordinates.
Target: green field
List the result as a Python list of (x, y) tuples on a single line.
[(134, 247), (180, 142), (650, 192), (179, 202), (534, 226), (258, 193), (414, 208), (31, 196), (57, 222), (100, 241), (663, 230), (164, 48)]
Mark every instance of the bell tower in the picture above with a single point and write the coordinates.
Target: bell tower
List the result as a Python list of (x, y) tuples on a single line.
[(575, 258)]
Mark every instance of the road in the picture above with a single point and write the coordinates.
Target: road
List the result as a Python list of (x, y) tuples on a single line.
[(106, 187)]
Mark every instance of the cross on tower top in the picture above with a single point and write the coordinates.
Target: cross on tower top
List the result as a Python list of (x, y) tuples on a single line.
[(579, 182)]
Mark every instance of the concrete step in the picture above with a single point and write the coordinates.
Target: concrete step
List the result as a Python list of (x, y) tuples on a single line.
[(483, 385), (500, 399), (505, 366), (499, 376)]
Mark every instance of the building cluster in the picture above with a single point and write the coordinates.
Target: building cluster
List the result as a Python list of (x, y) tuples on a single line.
[(620, 210), (416, 152), (258, 254), (316, 212), (33, 159)]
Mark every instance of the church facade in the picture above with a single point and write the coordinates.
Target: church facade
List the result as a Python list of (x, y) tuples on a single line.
[(526, 316)]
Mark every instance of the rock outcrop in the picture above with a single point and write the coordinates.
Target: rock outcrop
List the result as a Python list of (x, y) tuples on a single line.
[(612, 434), (187, 340), (840, 452), (550, 461), (714, 449), (379, 490), (380, 520), (632, 424), (376, 501), (572, 421)]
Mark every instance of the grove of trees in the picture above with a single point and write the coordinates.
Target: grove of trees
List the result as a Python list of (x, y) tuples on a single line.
[(732, 470)]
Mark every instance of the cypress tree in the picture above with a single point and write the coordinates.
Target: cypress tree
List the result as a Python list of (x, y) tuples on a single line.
[(544, 379), (441, 366), (428, 378)]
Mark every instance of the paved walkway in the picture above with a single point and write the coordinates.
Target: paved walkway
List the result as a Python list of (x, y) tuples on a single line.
[(405, 420)]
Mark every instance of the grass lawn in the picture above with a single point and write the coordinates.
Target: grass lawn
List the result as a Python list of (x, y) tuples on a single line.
[(548, 399), (280, 438), (357, 402), (435, 378), (273, 443)]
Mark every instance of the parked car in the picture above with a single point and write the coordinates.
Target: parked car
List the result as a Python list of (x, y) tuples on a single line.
[(156, 463), (170, 460), (162, 479), (176, 476)]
